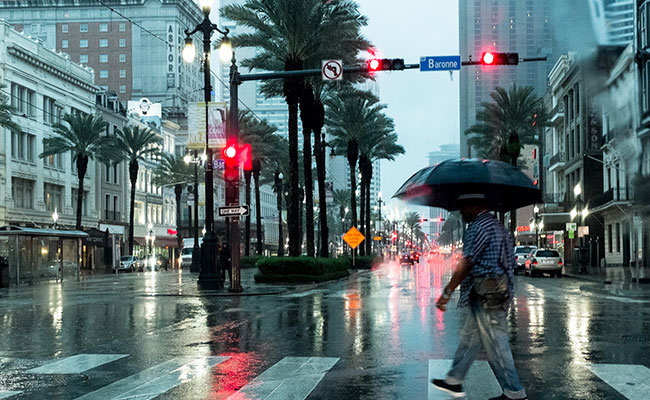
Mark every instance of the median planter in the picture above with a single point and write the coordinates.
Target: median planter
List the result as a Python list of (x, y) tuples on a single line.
[(364, 262), (300, 269), (249, 262)]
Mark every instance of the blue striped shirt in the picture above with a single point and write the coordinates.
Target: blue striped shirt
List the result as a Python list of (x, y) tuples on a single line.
[(485, 244)]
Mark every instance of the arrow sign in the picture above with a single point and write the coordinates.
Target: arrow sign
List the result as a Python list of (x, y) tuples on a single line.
[(233, 211)]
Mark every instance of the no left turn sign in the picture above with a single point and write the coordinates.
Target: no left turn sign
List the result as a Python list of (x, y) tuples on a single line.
[(332, 70)]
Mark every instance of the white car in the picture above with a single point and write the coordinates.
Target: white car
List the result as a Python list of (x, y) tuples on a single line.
[(521, 254), (186, 257), (544, 261), (129, 264)]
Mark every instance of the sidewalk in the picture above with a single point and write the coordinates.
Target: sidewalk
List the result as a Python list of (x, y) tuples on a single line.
[(620, 281)]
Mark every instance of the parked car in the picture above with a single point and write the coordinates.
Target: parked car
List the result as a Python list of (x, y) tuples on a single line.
[(521, 255), (416, 257), (130, 264), (544, 261), (186, 257), (159, 262)]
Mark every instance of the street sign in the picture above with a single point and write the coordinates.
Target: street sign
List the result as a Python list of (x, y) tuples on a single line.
[(572, 234), (583, 231), (376, 238), (353, 237), (440, 63), (218, 164), (571, 226), (233, 211), (332, 70), (190, 199)]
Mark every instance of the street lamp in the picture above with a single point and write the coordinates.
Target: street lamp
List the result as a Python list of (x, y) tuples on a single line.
[(196, 250), (55, 217), (208, 277), (537, 224), (149, 239), (381, 225)]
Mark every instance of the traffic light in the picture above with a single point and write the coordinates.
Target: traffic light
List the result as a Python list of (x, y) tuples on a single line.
[(236, 156), (385, 64), (491, 58)]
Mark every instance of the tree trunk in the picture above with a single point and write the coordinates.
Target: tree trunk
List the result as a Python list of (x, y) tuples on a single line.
[(82, 166), (258, 206), (306, 116), (369, 240), (133, 176), (362, 208), (247, 230), (514, 148), (292, 90), (278, 189), (322, 194), (178, 191)]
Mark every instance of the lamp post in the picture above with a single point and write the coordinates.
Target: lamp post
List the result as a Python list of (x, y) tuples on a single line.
[(149, 239), (580, 211), (381, 225), (278, 189), (537, 218), (208, 277)]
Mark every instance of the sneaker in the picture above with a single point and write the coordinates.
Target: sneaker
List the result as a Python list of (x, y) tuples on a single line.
[(504, 397), (453, 390)]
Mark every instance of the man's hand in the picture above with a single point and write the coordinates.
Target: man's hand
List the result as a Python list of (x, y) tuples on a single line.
[(442, 302)]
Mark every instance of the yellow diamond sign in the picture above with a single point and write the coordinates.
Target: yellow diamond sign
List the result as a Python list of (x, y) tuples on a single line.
[(353, 237)]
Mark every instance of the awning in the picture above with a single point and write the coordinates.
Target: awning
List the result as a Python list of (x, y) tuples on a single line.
[(12, 230), (160, 241)]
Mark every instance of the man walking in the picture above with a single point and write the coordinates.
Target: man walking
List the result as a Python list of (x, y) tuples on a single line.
[(488, 255)]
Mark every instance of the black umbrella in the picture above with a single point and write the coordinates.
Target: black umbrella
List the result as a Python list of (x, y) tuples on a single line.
[(504, 186)]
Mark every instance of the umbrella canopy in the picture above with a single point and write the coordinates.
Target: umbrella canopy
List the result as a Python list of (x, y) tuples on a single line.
[(505, 186)]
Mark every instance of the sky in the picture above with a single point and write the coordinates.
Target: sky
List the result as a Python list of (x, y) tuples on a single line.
[(424, 105)]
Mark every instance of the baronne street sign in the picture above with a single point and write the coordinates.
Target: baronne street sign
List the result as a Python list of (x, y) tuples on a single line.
[(233, 211), (440, 63)]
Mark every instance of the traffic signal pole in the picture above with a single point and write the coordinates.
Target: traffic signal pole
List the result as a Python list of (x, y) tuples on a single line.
[(232, 187)]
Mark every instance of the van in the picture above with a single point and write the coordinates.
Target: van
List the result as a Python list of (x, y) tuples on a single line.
[(186, 253)]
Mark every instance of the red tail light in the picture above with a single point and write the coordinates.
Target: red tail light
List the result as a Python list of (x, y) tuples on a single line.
[(534, 262), (560, 263)]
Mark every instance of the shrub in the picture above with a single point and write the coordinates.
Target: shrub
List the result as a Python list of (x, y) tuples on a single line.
[(300, 269), (249, 262)]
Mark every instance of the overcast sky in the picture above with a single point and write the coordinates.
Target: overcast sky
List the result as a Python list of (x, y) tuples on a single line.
[(424, 105)]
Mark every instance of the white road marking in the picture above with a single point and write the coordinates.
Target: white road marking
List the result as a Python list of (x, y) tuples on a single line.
[(632, 381), (303, 294), (157, 380), (291, 378), (8, 393), (76, 364), (480, 382)]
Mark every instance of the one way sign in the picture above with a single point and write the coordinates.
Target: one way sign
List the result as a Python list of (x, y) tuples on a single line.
[(233, 211)]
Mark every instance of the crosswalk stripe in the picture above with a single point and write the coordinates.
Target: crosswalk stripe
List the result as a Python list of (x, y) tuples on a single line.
[(76, 364), (156, 380), (291, 378), (480, 382), (8, 393), (632, 381)]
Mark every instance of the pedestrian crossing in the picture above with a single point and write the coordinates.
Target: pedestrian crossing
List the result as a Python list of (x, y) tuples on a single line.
[(289, 378)]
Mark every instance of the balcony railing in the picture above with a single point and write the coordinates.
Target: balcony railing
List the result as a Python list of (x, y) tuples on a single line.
[(614, 194), (557, 114), (112, 216), (554, 197), (557, 159)]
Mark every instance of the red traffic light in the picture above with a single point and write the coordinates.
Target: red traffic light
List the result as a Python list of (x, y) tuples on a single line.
[(374, 64), (235, 156), (487, 58), (385, 64)]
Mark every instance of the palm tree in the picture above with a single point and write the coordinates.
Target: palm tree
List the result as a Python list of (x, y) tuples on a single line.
[(350, 116), (513, 119), (306, 116), (383, 147), (261, 136), (6, 111), (174, 170), (412, 221), (136, 144), (288, 35), (82, 135)]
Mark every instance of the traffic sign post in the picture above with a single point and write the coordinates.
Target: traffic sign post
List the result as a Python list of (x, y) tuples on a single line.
[(332, 70), (440, 63), (353, 238), (233, 211)]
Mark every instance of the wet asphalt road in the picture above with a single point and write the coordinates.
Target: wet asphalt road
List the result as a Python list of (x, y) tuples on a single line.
[(379, 329)]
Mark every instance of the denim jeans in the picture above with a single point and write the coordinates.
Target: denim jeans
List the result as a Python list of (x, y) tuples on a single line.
[(487, 329)]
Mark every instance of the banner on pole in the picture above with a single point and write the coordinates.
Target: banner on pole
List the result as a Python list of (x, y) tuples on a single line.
[(216, 125)]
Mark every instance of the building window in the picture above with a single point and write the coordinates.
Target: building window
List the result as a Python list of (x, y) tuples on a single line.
[(122, 42), (51, 110), (64, 28), (64, 44), (103, 42), (83, 59), (122, 88), (122, 73), (122, 58), (23, 193), (83, 27), (22, 146), (103, 27), (83, 43), (22, 99), (610, 237), (122, 27), (103, 73), (84, 201), (53, 197), (103, 58)]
